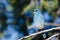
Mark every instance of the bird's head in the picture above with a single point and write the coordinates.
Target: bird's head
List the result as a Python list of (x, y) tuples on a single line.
[(37, 11)]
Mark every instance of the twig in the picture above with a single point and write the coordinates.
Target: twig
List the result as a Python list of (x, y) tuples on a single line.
[(37, 33), (52, 24), (53, 36)]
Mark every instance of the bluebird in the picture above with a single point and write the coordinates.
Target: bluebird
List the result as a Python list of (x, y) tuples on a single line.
[(38, 19)]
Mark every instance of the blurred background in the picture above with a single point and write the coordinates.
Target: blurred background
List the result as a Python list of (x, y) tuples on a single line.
[(16, 17)]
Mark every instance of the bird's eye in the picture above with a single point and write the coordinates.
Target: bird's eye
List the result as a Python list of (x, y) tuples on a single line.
[(35, 10)]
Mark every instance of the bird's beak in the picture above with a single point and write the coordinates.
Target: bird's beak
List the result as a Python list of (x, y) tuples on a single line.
[(34, 12)]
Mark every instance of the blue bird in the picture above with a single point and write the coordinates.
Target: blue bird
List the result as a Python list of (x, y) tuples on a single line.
[(38, 19)]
